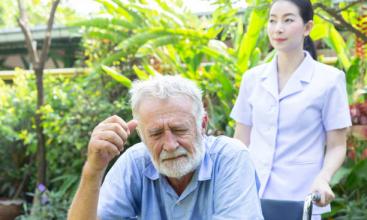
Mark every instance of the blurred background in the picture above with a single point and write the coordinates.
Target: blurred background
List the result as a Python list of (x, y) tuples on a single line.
[(66, 65)]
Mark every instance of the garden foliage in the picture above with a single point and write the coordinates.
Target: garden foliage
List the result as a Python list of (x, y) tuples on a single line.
[(132, 40)]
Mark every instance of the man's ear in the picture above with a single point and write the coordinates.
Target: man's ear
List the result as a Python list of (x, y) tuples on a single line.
[(204, 123)]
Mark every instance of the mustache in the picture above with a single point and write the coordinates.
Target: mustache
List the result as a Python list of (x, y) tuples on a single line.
[(180, 151)]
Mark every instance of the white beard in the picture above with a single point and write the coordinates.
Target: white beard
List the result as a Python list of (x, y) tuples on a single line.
[(177, 168)]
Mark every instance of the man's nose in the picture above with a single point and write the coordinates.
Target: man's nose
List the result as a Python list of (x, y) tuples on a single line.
[(170, 141)]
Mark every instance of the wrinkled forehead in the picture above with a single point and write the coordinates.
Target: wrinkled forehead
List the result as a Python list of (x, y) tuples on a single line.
[(172, 110), (174, 120)]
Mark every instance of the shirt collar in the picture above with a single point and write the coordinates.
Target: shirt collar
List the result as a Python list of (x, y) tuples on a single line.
[(304, 71), (205, 168)]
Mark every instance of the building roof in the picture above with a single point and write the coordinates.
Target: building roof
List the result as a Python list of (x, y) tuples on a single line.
[(12, 40)]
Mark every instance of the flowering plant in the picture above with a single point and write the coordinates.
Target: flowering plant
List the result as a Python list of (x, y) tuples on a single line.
[(357, 148), (358, 112)]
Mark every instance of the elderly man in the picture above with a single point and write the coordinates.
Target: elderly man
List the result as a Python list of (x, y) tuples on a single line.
[(176, 172)]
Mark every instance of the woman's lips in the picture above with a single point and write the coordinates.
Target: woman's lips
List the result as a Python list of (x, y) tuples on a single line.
[(279, 40)]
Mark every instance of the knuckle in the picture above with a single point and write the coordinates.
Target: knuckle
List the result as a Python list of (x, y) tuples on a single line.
[(116, 127)]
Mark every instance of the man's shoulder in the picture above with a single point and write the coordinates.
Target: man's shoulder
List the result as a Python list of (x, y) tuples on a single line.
[(136, 155), (138, 149), (224, 146)]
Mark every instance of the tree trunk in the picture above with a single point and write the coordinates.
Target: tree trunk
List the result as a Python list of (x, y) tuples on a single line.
[(41, 148), (38, 61)]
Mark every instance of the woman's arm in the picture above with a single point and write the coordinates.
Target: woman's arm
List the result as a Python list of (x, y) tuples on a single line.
[(334, 158), (242, 132)]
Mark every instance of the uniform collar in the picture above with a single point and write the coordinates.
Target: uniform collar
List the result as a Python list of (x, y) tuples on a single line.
[(303, 74), (205, 168)]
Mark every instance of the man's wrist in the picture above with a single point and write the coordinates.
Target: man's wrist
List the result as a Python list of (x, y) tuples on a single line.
[(92, 175)]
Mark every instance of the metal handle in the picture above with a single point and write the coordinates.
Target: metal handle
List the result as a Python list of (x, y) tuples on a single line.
[(307, 207), (316, 196)]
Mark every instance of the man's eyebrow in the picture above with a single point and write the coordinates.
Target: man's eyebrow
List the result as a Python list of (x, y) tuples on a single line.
[(154, 130)]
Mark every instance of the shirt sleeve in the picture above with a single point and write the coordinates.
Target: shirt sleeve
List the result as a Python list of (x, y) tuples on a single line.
[(242, 110), (116, 197), (236, 194), (335, 112)]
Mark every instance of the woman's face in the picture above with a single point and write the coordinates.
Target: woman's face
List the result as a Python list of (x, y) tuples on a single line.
[(286, 28)]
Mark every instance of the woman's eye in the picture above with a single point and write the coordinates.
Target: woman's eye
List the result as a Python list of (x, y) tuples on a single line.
[(271, 21), (288, 20)]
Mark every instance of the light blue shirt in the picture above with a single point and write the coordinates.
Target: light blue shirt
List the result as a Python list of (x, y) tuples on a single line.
[(223, 187), (288, 129)]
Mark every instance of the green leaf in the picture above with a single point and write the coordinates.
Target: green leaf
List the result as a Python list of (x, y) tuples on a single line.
[(150, 46), (358, 176), (150, 70), (111, 8), (256, 24), (352, 74), (218, 55), (319, 30), (339, 46), (140, 73), (339, 175), (118, 77)]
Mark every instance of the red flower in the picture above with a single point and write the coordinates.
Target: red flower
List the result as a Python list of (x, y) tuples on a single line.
[(363, 108), (351, 154), (363, 120), (354, 111), (364, 154)]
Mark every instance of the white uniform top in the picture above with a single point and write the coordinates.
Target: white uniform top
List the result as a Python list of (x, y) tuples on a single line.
[(289, 128)]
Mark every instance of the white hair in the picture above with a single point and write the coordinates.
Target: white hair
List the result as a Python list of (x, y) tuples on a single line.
[(164, 87)]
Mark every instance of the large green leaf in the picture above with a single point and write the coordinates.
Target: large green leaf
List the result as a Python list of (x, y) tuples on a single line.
[(139, 39), (108, 5), (118, 77), (340, 175), (358, 176), (339, 46), (140, 73), (320, 29), (151, 46), (352, 74), (256, 24)]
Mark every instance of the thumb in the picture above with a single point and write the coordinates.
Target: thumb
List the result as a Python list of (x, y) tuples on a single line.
[(132, 125)]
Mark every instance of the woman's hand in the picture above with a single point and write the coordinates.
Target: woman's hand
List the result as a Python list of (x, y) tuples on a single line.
[(321, 186)]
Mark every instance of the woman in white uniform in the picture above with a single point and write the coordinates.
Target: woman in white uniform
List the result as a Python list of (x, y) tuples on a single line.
[(293, 113)]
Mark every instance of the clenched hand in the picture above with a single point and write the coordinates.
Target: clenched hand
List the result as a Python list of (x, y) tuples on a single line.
[(107, 141)]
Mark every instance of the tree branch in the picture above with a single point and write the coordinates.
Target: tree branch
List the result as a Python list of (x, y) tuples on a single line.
[(324, 18), (47, 40), (339, 18), (23, 23), (350, 5)]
